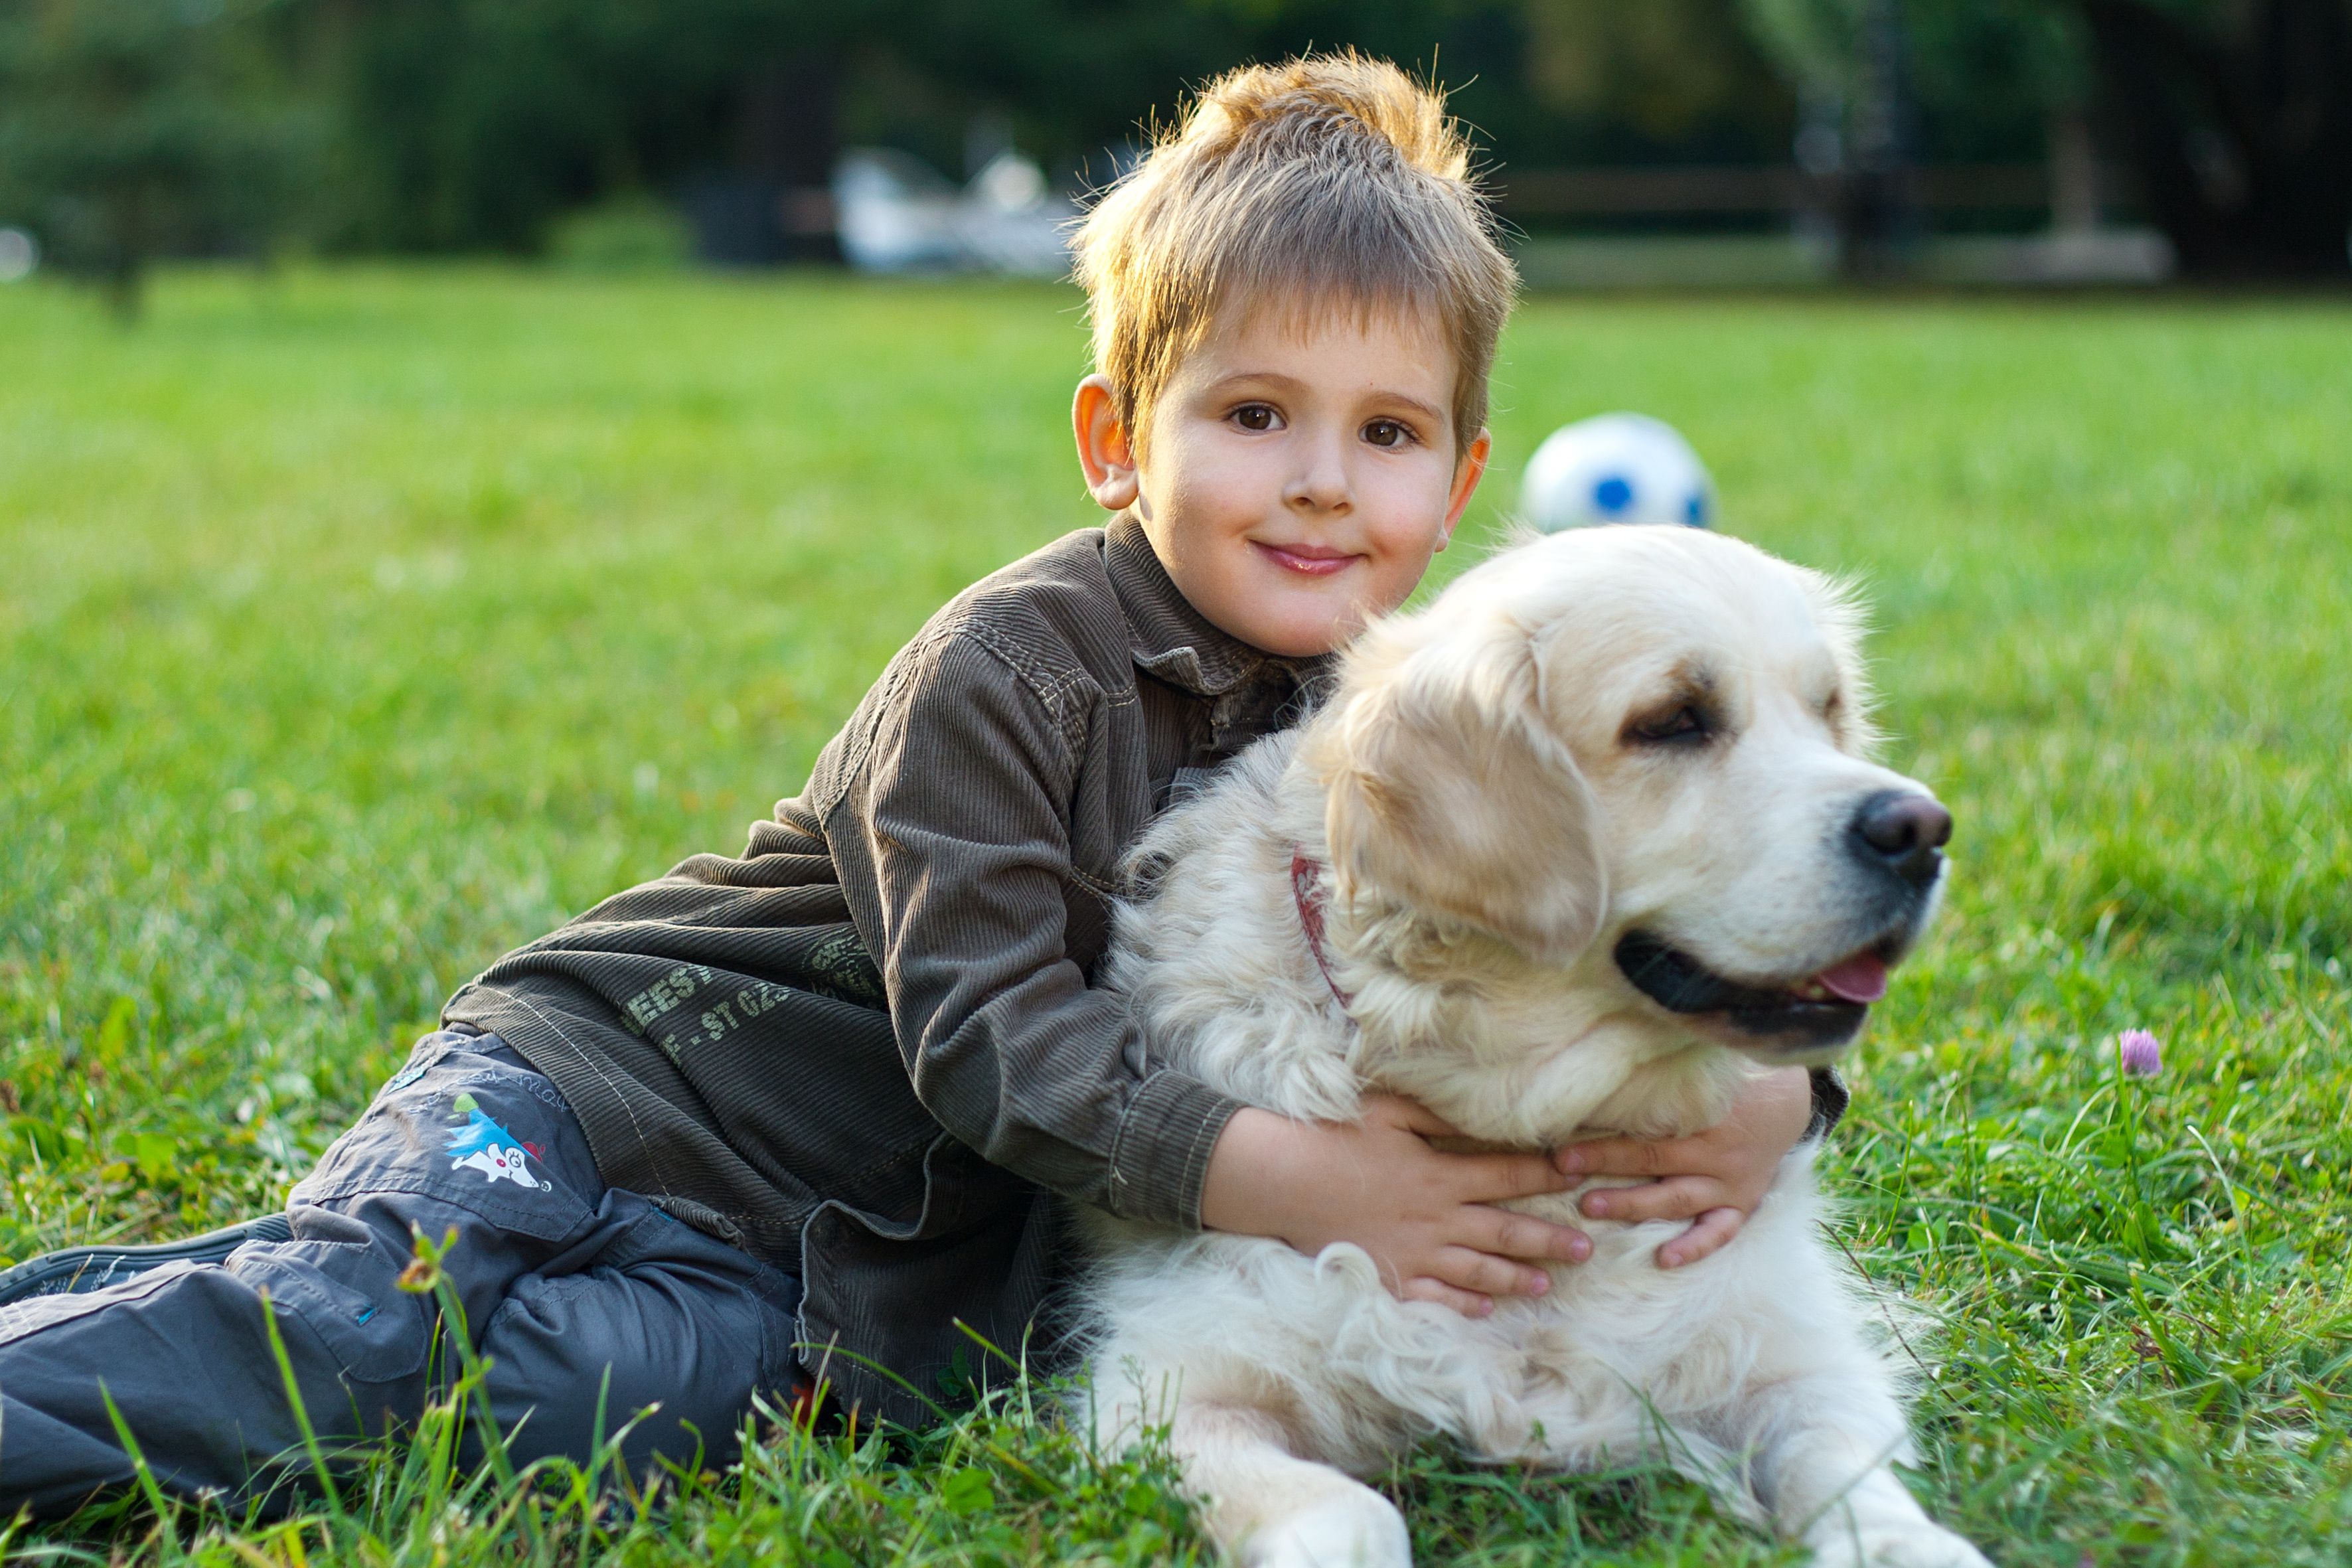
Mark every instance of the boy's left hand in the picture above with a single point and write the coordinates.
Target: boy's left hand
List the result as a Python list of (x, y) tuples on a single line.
[(1714, 1178)]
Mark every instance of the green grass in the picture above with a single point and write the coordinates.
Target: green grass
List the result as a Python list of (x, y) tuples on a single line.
[(356, 626)]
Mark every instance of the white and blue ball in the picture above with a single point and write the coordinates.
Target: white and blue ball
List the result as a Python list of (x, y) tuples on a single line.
[(1616, 467)]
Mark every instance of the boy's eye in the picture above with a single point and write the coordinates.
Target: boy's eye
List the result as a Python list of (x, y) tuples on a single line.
[(1253, 417), (1387, 433)]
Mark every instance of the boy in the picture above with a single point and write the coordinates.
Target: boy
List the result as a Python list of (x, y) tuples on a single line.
[(825, 1097)]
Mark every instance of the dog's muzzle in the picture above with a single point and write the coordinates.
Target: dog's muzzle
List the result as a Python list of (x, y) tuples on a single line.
[(1812, 1018)]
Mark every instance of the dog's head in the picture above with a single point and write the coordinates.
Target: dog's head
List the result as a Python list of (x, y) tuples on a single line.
[(1648, 742)]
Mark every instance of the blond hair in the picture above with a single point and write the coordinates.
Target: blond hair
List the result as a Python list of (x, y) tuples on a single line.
[(1331, 181)]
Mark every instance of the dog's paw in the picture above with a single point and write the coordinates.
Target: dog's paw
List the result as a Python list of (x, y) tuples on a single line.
[(1364, 1532), (1909, 1543)]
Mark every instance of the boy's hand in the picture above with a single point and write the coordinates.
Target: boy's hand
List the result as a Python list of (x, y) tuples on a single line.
[(1422, 1214), (1714, 1178)]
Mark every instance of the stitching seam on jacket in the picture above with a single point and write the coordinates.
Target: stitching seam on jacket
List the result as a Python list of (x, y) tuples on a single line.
[(1107, 892), (863, 726), (1118, 1180), (1051, 690)]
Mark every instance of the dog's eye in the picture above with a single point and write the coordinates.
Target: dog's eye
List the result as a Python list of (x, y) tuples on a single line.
[(1684, 726)]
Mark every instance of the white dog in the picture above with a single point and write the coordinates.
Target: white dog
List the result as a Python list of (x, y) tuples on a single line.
[(1578, 848)]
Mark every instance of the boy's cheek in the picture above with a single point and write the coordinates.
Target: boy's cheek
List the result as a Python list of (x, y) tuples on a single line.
[(1215, 485), (1415, 490)]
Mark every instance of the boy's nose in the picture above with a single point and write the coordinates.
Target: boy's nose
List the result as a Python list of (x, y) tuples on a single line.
[(1321, 485)]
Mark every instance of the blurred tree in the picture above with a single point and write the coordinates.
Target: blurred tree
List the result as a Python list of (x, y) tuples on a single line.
[(1544, 82), (2238, 117), (131, 128), (1982, 75), (476, 122), (1888, 84), (1991, 76), (2235, 115), (1673, 71)]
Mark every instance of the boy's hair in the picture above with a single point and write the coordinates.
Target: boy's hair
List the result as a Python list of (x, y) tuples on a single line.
[(1329, 182)]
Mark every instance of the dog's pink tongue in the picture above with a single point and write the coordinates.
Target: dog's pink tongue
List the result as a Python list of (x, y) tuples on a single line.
[(1862, 978)]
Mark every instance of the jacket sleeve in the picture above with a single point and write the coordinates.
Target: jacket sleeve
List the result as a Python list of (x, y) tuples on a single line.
[(953, 843)]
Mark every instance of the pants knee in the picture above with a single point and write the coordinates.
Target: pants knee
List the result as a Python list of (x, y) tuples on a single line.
[(675, 1354)]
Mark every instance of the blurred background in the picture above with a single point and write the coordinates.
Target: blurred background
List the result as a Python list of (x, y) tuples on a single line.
[(517, 473), (1742, 142)]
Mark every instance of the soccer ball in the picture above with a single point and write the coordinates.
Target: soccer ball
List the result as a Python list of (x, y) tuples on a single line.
[(1616, 467)]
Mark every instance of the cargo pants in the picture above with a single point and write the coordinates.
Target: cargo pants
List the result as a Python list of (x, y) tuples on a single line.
[(577, 1294)]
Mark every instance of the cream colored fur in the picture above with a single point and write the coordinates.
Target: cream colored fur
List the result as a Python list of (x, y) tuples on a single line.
[(1490, 827)]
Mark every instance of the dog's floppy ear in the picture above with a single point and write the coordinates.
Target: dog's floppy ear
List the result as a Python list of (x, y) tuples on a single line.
[(1445, 788)]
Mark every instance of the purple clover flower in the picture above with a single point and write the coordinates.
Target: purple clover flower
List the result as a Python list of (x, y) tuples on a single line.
[(2143, 1056)]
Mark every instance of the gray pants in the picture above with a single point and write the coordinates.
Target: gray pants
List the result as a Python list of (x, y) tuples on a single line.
[(573, 1290)]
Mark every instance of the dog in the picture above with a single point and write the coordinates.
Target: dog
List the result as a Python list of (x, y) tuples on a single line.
[(1578, 848)]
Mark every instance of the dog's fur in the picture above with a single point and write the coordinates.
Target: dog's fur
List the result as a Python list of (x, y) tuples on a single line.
[(1495, 796)]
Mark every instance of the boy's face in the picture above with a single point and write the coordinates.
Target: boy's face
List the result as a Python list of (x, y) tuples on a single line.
[(1298, 475)]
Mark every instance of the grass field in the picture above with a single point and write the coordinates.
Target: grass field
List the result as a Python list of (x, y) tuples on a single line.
[(354, 627)]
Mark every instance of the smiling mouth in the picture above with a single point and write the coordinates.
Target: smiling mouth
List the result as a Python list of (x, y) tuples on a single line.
[(1818, 1012), (1307, 560)]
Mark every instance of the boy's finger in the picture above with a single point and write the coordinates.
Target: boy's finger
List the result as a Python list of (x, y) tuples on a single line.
[(1711, 1230), (1496, 1178), (1411, 1115), (1676, 1198), (1468, 1303), (1624, 1157), (1465, 1269), (1511, 1235)]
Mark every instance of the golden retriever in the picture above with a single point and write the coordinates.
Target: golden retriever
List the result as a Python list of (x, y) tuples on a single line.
[(1578, 848)]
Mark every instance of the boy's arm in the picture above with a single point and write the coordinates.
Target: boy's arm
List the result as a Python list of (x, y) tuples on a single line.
[(952, 844)]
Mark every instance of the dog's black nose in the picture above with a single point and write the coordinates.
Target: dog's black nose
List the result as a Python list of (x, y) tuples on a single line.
[(1905, 832)]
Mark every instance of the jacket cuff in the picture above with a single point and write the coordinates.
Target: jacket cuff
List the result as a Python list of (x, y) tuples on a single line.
[(1161, 1159), (1830, 1098)]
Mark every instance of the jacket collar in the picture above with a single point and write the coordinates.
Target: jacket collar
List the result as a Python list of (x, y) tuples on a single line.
[(1173, 642)]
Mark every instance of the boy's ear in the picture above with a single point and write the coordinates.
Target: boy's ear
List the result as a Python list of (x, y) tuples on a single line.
[(1468, 469), (1104, 451)]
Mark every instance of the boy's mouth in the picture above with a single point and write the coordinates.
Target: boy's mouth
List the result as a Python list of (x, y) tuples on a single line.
[(1307, 560)]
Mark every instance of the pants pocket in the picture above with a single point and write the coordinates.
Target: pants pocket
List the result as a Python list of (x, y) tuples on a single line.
[(472, 1131), (346, 1293)]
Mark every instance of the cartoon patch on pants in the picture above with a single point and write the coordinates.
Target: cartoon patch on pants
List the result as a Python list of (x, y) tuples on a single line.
[(483, 1145)]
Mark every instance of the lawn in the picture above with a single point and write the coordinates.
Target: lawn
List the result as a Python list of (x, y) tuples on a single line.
[(355, 625)]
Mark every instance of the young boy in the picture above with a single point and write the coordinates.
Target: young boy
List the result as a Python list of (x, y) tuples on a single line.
[(828, 1097)]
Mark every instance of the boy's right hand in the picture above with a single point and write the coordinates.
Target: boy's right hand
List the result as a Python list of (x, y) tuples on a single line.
[(1423, 1215)]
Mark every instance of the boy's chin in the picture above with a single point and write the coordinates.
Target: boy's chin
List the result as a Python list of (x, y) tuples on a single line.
[(1286, 613), (1293, 624)]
